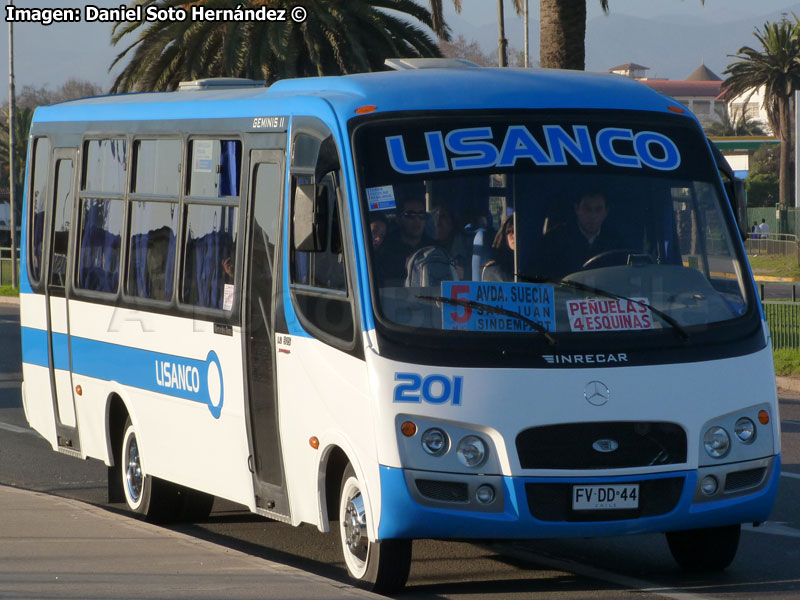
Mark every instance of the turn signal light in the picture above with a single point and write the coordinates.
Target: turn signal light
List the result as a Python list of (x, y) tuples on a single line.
[(763, 417), (314, 442), (409, 429), (365, 110), (676, 109), (79, 390)]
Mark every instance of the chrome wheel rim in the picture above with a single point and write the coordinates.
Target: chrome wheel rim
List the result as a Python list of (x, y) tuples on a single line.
[(134, 478), (353, 529)]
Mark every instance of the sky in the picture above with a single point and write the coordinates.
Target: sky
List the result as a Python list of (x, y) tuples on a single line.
[(671, 37)]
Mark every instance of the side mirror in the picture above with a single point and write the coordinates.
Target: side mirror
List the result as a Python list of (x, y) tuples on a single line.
[(740, 206), (734, 189), (309, 226)]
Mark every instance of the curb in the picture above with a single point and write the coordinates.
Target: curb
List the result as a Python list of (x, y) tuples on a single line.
[(790, 384), (9, 300)]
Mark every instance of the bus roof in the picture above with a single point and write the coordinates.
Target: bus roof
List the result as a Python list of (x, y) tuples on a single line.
[(389, 91)]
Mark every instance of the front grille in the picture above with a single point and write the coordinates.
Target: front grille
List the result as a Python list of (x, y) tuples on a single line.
[(444, 491), (570, 446), (741, 480), (553, 501)]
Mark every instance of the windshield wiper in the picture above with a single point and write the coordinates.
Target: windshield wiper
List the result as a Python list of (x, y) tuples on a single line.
[(676, 327), (488, 308)]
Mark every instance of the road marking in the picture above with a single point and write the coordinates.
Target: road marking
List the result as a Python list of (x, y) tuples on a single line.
[(791, 475), (15, 429), (791, 422), (570, 566), (773, 529)]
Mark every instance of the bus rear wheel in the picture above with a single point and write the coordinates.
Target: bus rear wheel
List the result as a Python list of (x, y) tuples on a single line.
[(711, 549), (148, 497), (381, 567)]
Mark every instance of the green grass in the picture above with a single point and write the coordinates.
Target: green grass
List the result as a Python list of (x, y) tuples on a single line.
[(7, 290), (775, 265), (787, 362)]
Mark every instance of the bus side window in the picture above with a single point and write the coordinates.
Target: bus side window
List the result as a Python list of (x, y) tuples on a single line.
[(61, 217), (324, 269), (153, 228), (101, 214), (211, 223), (38, 195), (319, 276)]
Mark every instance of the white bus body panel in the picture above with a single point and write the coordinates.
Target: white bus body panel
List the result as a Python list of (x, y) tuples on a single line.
[(180, 440), (323, 393), (37, 392), (503, 402)]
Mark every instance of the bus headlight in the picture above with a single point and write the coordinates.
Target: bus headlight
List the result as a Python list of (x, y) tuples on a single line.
[(471, 451), (435, 441), (717, 442), (745, 430)]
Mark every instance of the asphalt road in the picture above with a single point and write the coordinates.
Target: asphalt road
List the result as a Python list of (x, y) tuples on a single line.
[(634, 566)]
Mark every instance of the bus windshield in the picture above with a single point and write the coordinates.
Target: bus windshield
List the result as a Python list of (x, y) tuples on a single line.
[(534, 223)]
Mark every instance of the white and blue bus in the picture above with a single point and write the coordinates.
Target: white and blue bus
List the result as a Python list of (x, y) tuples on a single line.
[(449, 302)]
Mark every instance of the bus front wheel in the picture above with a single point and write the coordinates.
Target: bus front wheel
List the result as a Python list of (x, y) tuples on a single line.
[(380, 567), (711, 549), (148, 497)]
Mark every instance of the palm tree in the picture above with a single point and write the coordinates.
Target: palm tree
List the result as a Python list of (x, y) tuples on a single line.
[(22, 125), (437, 19), (336, 38), (562, 33), (777, 68), (502, 44), (729, 125)]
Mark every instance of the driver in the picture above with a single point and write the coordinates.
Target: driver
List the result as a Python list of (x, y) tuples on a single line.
[(569, 247)]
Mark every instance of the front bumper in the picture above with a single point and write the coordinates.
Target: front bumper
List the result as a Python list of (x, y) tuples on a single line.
[(405, 514)]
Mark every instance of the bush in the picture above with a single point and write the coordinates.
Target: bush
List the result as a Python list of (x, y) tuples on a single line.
[(787, 361), (762, 190)]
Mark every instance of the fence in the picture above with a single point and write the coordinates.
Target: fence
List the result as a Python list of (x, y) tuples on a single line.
[(5, 265), (791, 223), (773, 243), (784, 324)]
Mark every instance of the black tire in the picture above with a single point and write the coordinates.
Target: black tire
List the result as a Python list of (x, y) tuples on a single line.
[(380, 567), (711, 549), (147, 497)]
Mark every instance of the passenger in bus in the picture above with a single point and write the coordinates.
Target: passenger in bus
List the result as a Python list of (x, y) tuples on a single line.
[(452, 240), (402, 242), (377, 228), (500, 266), (568, 248)]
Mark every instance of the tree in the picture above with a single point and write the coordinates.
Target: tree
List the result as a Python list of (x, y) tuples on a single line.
[(776, 67), (471, 51), (562, 33), (26, 102), (734, 125), (22, 125), (335, 38), (502, 44), (437, 18)]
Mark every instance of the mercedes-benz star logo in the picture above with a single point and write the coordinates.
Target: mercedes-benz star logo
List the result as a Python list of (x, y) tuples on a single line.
[(596, 393)]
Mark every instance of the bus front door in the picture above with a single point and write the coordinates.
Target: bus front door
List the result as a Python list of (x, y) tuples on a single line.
[(58, 228), (266, 192)]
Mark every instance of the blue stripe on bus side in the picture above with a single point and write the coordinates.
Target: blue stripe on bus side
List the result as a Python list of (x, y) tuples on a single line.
[(60, 351), (178, 376), (34, 346)]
